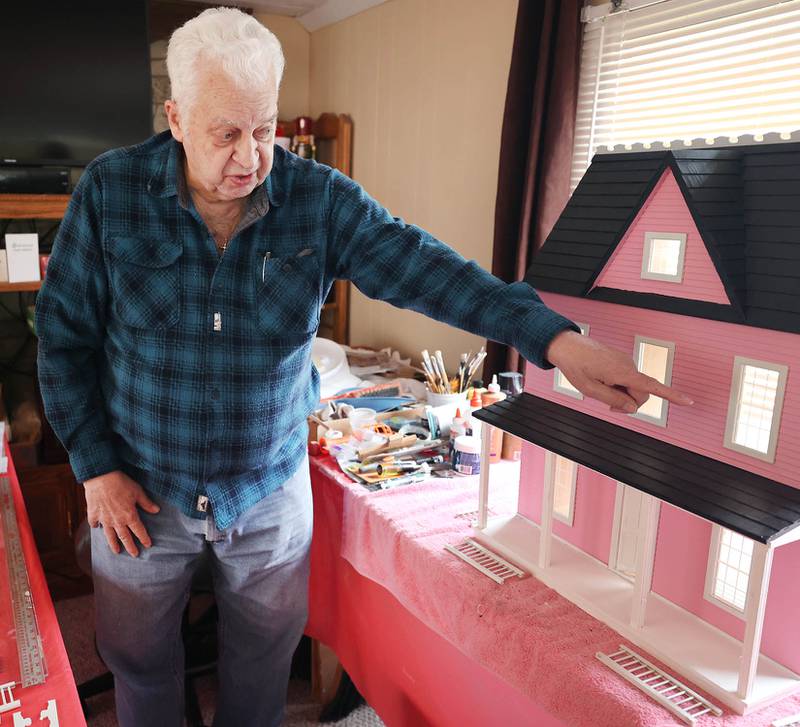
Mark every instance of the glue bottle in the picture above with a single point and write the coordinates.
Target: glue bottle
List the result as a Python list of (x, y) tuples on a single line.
[(473, 424), (492, 396), (457, 429)]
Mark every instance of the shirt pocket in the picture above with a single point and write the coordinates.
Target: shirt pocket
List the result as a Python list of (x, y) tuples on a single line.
[(288, 292), (145, 281)]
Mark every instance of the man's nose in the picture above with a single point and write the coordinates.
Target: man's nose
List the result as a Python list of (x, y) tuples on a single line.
[(245, 153)]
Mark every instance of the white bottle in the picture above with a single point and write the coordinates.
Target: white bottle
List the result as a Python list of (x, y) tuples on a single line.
[(458, 427)]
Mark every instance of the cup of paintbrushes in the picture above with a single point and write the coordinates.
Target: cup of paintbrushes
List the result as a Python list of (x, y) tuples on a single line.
[(437, 399)]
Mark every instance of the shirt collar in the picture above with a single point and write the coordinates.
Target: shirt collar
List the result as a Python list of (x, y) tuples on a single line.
[(170, 180)]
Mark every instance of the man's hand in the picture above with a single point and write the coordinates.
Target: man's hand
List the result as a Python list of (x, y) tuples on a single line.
[(606, 374), (111, 501)]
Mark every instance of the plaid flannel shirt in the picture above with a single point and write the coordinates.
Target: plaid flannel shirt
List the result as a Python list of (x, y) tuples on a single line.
[(192, 372)]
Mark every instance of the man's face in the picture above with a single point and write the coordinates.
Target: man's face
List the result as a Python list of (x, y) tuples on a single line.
[(228, 137)]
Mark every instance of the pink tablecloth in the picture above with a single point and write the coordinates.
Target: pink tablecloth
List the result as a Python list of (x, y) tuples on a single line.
[(410, 674), (534, 644)]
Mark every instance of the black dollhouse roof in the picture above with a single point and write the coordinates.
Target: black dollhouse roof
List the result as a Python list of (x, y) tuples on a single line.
[(745, 202), (756, 507)]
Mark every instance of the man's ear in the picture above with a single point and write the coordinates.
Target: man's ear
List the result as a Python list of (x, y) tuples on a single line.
[(174, 119)]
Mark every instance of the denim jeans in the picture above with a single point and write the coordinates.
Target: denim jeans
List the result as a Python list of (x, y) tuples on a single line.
[(260, 574)]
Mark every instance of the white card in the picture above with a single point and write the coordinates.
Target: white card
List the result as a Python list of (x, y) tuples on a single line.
[(22, 256)]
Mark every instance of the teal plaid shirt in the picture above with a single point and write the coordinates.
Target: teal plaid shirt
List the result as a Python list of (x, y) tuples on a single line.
[(192, 372)]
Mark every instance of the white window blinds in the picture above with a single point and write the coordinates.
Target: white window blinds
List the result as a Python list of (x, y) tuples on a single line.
[(680, 70)]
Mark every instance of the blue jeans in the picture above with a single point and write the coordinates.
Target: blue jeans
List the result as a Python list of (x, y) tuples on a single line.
[(260, 574)]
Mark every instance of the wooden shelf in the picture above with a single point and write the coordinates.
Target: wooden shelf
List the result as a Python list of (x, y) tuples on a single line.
[(33, 206), (19, 287)]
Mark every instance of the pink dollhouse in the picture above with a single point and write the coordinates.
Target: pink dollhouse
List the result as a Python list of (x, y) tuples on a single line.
[(676, 526)]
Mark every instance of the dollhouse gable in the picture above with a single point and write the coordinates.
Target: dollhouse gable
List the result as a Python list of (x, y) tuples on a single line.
[(736, 207), (663, 253)]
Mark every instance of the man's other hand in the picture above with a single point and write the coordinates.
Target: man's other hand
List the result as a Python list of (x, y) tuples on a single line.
[(111, 501), (606, 374)]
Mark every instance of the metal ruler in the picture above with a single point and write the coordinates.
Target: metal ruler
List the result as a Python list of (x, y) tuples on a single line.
[(29, 641)]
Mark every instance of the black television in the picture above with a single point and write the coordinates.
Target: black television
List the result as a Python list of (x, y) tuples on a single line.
[(74, 80)]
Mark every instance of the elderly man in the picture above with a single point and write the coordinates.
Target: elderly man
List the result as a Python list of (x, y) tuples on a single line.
[(175, 329)]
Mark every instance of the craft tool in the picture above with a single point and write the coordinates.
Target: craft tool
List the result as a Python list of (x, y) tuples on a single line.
[(431, 444), (26, 628)]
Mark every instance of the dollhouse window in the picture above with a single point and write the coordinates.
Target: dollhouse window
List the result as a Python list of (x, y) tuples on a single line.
[(754, 409), (728, 573), (560, 382), (654, 358), (663, 256), (565, 476)]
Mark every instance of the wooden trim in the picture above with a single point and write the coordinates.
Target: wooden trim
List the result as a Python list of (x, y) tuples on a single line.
[(483, 482), (20, 287), (33, 206), (755, 609), (545, 536), (647, 555)]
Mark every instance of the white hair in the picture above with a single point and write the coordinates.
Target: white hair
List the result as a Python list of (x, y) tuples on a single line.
[(245, 50)]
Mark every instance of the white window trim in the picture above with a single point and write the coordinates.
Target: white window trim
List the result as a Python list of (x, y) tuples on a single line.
[(711, 573), (637, 343), (648, 249), (573, 486), (561, 389), (739, 362)]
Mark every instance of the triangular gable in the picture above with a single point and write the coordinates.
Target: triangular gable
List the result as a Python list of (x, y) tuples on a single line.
[(665, 211)]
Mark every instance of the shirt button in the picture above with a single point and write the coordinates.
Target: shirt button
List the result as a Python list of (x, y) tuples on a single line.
[(215, 394)]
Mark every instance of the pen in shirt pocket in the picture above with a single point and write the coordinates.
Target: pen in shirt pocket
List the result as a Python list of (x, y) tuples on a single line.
[(267, 256)]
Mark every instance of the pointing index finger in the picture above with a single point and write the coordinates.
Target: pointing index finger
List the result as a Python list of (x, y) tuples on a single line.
[(648, 383)]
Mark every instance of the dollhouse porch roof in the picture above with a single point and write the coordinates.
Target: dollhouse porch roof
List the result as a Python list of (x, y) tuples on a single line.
[(744, 202), (755, 506)]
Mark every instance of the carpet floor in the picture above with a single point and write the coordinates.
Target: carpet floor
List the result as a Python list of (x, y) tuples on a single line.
[(75, 613)]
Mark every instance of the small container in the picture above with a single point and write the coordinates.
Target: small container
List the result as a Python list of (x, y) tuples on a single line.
[(458, 428), (436, 399), (473, 424), (362, 421), (492, 396), (467, 455), (512, 447)]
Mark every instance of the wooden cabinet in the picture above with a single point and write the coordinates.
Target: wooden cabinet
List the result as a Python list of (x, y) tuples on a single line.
[(56, 506), (333, 136)]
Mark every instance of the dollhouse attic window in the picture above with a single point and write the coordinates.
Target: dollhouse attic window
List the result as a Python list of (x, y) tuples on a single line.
[(663, 256), (728, 575), (654, 358), (560, 382), (565, 475), (754, 409)]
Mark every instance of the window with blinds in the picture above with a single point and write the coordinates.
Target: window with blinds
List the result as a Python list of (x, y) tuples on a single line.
[(677, 71)]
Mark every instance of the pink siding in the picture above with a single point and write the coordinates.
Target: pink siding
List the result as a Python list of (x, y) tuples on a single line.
[(680, 574), (680, 567), (594, 505), (703, 367), (664, 211), (704, 355), (681, 556)]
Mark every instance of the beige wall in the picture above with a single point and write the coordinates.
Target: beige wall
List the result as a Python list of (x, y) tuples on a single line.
[(296, 42), (425, 83)]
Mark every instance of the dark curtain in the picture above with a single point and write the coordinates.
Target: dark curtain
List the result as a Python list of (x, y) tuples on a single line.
[(536, 146)]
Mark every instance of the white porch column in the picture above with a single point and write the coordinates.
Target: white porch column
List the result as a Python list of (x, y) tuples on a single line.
[(546, 529), (754, 610), (646, 558), (483, 482)]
